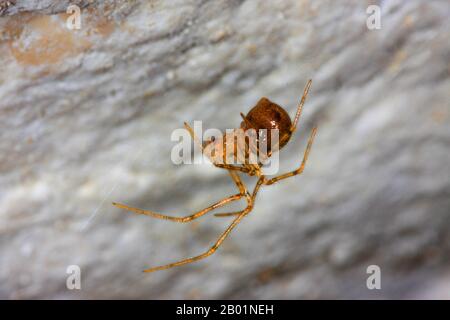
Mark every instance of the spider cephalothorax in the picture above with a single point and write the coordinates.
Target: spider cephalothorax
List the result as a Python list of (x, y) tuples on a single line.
[(264, 115)]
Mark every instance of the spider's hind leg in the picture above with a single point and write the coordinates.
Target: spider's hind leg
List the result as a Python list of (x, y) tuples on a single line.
[(205, 254), (221, 238)]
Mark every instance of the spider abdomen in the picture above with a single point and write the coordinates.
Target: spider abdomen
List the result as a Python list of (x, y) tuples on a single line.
[(269, 115)]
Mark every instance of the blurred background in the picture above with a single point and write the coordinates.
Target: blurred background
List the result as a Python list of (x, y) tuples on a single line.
[(86, 117)]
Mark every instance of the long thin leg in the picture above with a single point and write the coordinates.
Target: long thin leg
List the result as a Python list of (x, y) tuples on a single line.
[(228, 214), (255, 191), (237, 180), (234, 176), (300, 105), (221, 238), (302, 166), (243, 191), (231, 167), (181, 219), (207, 253), (191, 132)]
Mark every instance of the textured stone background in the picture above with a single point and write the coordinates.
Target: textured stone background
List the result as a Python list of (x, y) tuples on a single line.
[(86, 118)]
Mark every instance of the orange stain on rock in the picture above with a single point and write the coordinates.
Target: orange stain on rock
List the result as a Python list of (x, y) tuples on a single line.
[(104, 27), (101, 22), (399, 57), (45, 40)]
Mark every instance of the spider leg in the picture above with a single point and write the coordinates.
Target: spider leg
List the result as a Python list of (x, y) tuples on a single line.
[(234, 176), (191, 132), (228, 214), (231, 167), (300, 105), (221, 238), (207, 253), (243, 191), (180, 219), (302, 166), (250, 200), (237, 180)]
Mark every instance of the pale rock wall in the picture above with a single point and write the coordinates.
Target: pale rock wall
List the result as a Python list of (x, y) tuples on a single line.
[(86, 118)]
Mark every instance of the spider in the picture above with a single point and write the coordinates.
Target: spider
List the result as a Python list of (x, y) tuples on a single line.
[(264, 115)]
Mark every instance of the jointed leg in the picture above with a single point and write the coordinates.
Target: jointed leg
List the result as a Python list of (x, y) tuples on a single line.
[(250, 200), (243, 191), (181, 219), (237, 180), (234, 176), (300, 106), (191, 132), (228, 214), (231, 167), (221, 238), (302, 166), (207, 253)]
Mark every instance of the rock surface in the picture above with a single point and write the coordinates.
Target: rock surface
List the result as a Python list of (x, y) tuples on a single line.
[(86, 118)]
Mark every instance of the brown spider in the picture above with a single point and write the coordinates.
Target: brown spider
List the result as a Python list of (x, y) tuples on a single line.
[(265, 115)]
